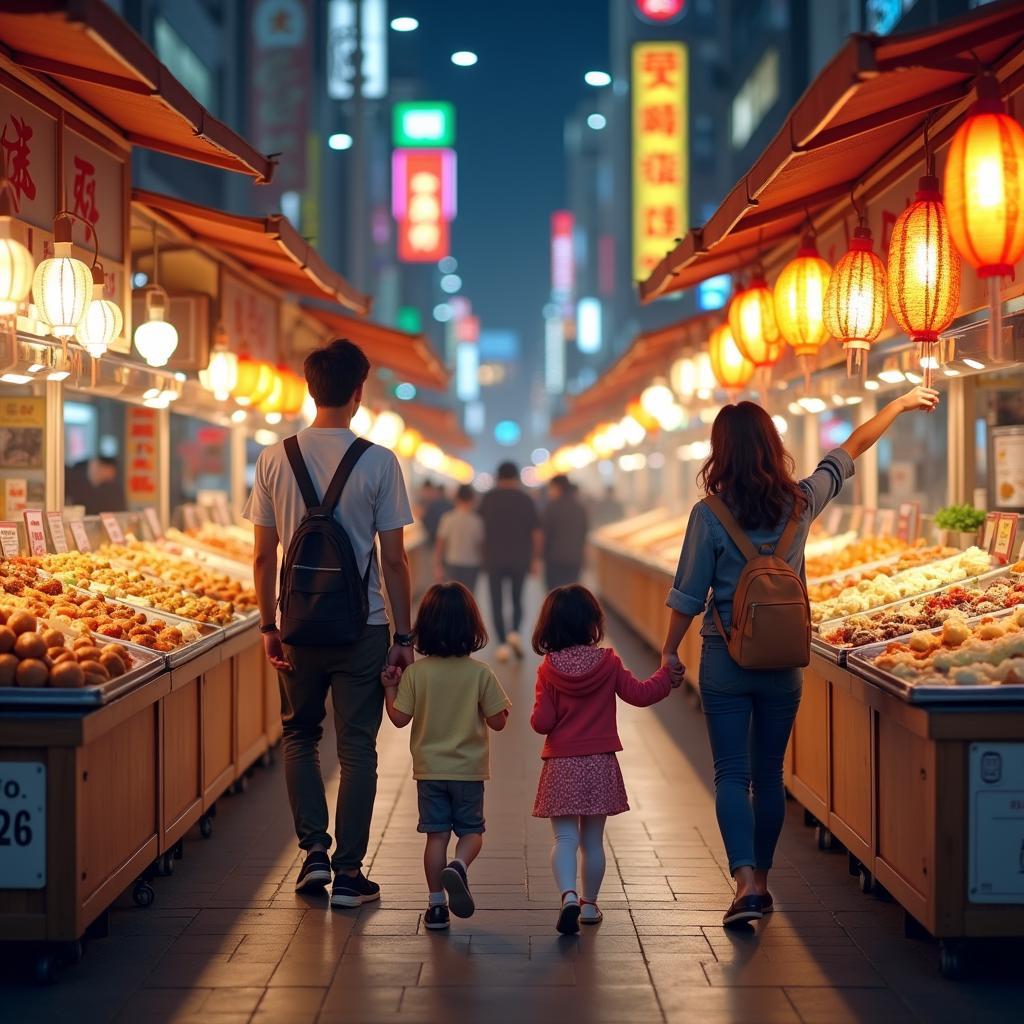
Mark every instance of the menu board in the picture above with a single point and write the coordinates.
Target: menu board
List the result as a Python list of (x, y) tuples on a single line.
[(77, 528), (58, 536), (35, 531), (9, 539)]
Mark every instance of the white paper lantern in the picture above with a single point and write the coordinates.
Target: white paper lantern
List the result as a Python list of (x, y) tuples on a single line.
[(62, 285), (156, 339), (103, 320)]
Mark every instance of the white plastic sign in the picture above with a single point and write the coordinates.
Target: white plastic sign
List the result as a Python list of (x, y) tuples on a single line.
[(58, 535), (112, 527), (22, 825), (9, 539), (77, 528), (35, 531)]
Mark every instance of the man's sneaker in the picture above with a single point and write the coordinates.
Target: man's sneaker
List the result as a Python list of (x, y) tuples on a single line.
[(503, 653), (353, 890), (515, 641), (456, 884), (436, 918), (315, 872)]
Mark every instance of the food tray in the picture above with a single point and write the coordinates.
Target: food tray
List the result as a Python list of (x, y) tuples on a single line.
[(861, 661), (148, 664), (216, 560)]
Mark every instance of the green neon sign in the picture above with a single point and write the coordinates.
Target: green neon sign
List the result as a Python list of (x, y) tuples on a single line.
[(422, 123)]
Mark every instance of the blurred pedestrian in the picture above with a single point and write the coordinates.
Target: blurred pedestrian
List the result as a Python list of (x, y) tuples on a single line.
[(512, 546), (608, 508), (433, 504), (459, 550), (94, 484), (565, 533)]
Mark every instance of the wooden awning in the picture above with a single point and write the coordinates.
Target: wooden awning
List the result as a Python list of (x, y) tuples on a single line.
[(268, 246), (94, 55), (859, 125), (409, 356), (439, 426), (651, 353)]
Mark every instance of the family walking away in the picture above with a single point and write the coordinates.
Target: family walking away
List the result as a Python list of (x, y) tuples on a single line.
[(331, 501)]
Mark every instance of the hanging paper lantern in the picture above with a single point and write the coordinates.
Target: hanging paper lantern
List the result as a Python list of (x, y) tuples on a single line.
[(62, 285), (924, 267), (156, 338), (985, 185), (273, 405), (636, 411), (16, 263), (855, 299), (799, 300), (255, 380), (387, 429), (103, 320), (220, 377), (294, 393), (731, 368), (410, 440), (753, 325), (654, 400)]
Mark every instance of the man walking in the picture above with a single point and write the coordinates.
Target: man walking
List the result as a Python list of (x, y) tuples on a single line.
[(512, 542), (565, 533), (373, 504)]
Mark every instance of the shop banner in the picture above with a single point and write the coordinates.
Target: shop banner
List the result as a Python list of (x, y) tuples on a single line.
[(35, 530), (661, 185), (81, 537), (141, 426), (58, 535), (112, 527), (153, 522), (250, 317), (280, 79), (9, 540)]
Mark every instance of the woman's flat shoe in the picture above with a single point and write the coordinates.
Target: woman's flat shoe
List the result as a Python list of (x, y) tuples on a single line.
[(742, 911)]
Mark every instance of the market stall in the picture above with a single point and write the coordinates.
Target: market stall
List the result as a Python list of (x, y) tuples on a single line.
[(909, 743)]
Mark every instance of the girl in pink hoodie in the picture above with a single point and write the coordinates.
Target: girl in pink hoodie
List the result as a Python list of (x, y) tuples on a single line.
[(580, 783)]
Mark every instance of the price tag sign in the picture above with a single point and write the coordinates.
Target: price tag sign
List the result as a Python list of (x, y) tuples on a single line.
[(22, 825), (112, 527), (1006, 535), (886, 522), (989, 536), (868, 523), (153, 522), (835, 513), (856, 517), (9, 539), (35, 530), (909, 521), (58, 535), (190, 515), (77, 528)]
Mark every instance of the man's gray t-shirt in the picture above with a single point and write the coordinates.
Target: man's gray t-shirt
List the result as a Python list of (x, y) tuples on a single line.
[(374, 499)]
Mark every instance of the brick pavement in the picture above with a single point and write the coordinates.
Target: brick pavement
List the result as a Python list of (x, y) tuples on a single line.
[(228, 942)]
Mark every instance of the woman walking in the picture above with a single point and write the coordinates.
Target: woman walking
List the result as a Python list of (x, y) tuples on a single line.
[(752, 496)]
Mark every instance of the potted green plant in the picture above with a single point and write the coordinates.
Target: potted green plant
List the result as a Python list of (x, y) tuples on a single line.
[(961, 524)]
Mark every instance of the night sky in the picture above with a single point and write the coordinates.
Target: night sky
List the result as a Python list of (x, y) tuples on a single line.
[(511, 109)]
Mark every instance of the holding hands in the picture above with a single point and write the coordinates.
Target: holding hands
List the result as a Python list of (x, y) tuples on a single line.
[(676, 671)]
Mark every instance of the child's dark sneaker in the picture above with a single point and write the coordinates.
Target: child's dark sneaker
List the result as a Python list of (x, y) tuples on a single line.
[(315, 872), (456, 884), (569, 916), (353, 890), (436, 918)]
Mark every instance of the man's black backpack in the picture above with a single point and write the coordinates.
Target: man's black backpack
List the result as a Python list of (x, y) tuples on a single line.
[(324, 596)]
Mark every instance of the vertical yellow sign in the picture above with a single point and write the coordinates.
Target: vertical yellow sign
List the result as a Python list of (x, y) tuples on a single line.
[(661, 175)]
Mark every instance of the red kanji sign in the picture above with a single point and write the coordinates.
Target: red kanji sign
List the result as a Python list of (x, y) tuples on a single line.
[(17, 157)]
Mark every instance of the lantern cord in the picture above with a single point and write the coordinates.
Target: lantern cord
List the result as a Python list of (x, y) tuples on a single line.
[(858, 208), (810, 222), (929, 156)]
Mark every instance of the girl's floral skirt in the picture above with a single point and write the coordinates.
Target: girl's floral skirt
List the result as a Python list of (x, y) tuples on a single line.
[(570, 786)]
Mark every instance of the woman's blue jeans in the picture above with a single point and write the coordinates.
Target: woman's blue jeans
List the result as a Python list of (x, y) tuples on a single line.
[(749, 716)]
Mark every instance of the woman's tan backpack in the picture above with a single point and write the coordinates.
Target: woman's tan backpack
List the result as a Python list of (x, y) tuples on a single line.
[(771, 616)]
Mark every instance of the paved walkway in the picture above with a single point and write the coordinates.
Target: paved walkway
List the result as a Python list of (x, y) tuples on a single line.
[(228, 942)]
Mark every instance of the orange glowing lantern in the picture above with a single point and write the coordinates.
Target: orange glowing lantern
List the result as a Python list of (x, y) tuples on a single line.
[(800, 301), (985, 185), (752, 322), (924, 269), (855, 300), (294, 393), (273, 405), (255, 380), (731, 368)]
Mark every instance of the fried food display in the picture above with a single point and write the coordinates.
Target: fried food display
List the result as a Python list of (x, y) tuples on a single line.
[(909, 559), (851, 554), (216, 539)]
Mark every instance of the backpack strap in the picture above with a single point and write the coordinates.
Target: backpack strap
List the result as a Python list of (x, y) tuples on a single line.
[(785, 542), (728, 521), (355, 452), (300, 472)]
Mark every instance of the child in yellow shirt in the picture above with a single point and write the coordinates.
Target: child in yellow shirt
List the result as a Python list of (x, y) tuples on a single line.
[(451, 700)]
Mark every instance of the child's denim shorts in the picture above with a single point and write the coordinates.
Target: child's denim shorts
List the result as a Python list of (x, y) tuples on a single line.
[(455, 806)]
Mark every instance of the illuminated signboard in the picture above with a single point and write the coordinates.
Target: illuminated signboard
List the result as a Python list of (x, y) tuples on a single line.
[(661, 180), (660, 12), (423, 124), (562, 264), (341, 49), (423, 202), (588, 325)]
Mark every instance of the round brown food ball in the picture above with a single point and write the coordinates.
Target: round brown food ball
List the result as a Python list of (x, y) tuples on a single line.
[(88, 653), (82, 641), (94, 672), (22, 622), (55, 652), (30, 645), (67, 675), (113, 664), (7, 638), (53, 637), (8, 668), (32, 672), (65, 655)]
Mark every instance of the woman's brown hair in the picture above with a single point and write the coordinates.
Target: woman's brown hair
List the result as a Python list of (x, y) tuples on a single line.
[(749, 469), (448, 624), (569, 617)]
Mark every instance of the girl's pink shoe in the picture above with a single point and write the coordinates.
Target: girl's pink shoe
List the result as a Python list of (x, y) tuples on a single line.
[(591, 912)]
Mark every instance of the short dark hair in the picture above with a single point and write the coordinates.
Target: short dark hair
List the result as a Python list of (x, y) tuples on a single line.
[(508, 471), (570, 617), (561, 481), (465, 493), (449, 624), (335, 373)]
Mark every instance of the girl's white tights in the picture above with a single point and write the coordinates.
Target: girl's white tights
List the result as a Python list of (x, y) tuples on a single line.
[(572, 834)]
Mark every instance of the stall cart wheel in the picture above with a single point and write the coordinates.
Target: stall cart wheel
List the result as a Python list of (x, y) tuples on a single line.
[(206, 826), (72, 952), (866, 881), (853, 865), (179, 849), (952, 959), (240, 785), (143, 894), (823, 838), (809, 819), (165, 864), (44, 970)]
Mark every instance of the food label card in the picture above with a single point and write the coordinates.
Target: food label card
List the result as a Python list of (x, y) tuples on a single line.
[(886, 522), (58, 535), (77, 528), (856, 517), (909, 521), (219, 511), (112, 527), (1006, 535), (9, 539), (835, 513), (153, 522), (989, 536), (869, 522), (35, 530), (190, 516)]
